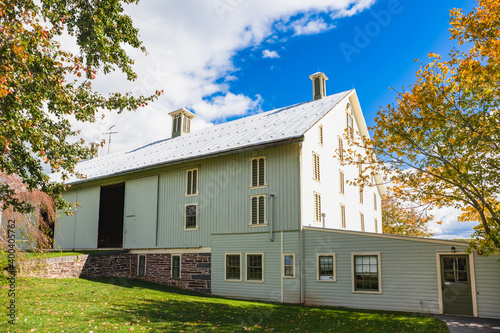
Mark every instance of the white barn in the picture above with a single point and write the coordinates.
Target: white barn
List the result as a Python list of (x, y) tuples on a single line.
[(259, 208)]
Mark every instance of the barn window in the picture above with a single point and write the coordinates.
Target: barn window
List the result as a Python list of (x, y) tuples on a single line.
[(317, 207), (366, 272), (258, 210), (325, 267), (255, 267), (316, 171), (233, 267), (191, 217), (176, 266), (141, 265), (192, 182), (258, 172)]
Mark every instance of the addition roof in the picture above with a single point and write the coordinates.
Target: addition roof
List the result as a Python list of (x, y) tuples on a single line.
[(265, 128)]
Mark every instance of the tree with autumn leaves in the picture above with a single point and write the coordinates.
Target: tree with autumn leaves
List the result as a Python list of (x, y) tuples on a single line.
[(43, 85), (440, 141), (405, 220)]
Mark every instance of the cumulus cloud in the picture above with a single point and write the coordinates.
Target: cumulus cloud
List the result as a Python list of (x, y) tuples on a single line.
[(191, 48), (270, 54), (310, 27)]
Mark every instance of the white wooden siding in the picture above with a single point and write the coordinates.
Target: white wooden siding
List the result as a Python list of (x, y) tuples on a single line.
[(409, 273), (270, 289)]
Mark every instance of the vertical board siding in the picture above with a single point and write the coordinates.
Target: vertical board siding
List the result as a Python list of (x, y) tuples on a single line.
[(409, 274), (141, 199), (270, 289), (64, 233), (87, 219), (224, 196)]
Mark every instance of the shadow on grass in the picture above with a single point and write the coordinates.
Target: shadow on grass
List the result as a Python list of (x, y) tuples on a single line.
[(175, 309)]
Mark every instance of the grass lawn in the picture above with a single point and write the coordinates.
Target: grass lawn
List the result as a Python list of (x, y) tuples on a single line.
[(125, 305)]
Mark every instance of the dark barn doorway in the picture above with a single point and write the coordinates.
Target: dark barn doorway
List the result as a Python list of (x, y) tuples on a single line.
[(111, 208)]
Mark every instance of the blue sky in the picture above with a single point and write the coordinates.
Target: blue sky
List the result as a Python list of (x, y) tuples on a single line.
[(224, 59), (371, 64)]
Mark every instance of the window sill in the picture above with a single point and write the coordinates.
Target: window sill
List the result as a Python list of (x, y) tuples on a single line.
[(191, 229), (254, 281), (288, 277), (258, 225), (257, 187), (367, 292), (326, 280), (191, 195), (229, 280)]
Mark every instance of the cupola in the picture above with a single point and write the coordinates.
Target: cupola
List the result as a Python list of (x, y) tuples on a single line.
[(319, 85), (181, 122), (95, 147)]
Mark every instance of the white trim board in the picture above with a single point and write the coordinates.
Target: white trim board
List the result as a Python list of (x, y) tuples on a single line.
[(404, 238)]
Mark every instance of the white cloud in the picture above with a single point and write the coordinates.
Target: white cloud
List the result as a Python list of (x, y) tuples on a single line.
[(450, 228), (270, 54), (310, 27), (191, 47)]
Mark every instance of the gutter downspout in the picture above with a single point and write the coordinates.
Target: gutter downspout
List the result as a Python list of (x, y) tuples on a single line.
[(271, 234), (301, 236)]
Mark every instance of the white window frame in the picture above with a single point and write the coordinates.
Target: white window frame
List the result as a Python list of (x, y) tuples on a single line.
[(265, 210), (172, 266), (349, 113), (251, 172), (341, 182), (197, 182), (340, 149), (376, 225), (283, 265), (185, 217), (225, 266), (321, 133), (138, 264), (334, 277), (316, 167), (317, 207), (361, 195), (374, 201), (353, 272), (343, 220), (246, 266), (362, 221)]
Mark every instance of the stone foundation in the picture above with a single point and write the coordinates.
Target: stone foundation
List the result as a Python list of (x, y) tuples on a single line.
[(194, 272), (195, 268)]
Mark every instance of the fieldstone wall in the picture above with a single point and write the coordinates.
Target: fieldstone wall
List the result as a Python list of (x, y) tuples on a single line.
[(195, 273), (59, 267)]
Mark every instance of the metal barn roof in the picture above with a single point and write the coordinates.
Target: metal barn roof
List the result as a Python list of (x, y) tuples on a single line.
[(290, 122)]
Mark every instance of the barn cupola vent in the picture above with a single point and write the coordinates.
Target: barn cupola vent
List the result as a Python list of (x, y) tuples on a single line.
[(181, 121), (94, 148), (319, 85)]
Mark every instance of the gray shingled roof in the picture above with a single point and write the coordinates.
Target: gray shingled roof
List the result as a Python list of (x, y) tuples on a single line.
[(264, 128)]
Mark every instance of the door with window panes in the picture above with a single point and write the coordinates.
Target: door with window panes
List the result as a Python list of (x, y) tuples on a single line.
[(456, 285)]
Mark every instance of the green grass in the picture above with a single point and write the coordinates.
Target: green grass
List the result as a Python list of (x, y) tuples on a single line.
[(125, 305)]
